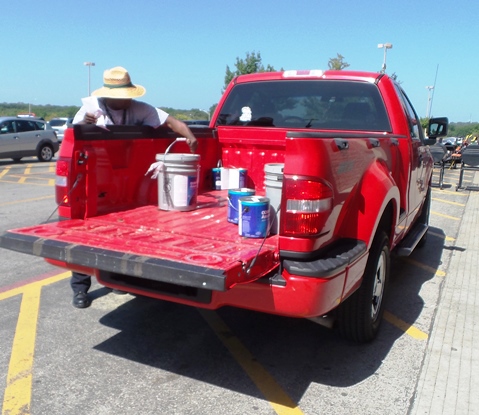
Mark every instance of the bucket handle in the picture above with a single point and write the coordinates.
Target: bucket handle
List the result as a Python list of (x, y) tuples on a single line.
[(171, 145), (231, 204), (246, 208)]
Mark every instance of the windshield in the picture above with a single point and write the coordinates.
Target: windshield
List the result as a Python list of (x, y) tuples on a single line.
[(318, 104)]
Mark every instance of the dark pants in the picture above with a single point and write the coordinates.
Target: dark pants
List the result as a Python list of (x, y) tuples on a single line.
[(80, 282)]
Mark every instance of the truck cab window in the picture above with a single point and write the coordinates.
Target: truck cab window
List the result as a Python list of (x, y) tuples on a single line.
[(413, 119), (315, 104)]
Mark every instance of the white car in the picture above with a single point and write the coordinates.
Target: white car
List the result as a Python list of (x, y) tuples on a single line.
[(60, 125)]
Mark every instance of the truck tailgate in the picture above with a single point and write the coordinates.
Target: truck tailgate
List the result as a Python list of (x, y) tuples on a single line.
[(198, 248)]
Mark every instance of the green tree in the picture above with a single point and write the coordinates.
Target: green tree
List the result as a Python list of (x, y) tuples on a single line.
[(251, 64), (463, 129), (424, 123), (337, 63)]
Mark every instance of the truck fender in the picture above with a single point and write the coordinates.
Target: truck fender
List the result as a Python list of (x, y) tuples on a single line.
[(380, 193), (377, 203)]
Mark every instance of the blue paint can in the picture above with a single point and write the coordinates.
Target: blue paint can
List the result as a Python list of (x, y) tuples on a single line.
[(216, 178), (233, 202), (253, 217), (242, 177)]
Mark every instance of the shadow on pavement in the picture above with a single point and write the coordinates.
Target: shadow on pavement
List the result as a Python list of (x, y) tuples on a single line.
[(296, 352)]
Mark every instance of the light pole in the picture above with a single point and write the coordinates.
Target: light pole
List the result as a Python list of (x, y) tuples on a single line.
[(206, 113), (384, 46), (429, 99), (89, 64)]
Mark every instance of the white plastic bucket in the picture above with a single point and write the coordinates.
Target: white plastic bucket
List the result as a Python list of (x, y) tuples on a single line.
[(273, 182), (178, 181)]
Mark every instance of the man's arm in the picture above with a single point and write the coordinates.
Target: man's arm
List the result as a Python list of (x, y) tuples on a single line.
[(183, 130)]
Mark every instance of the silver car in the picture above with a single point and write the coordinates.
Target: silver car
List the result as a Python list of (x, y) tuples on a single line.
[(26, 137)]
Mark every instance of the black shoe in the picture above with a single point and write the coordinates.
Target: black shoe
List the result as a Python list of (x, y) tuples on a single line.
[(118, 292), (81, 300)]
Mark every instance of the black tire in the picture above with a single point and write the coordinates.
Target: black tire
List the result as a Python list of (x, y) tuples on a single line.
[(16, 159), (359, 317), (45, 153)]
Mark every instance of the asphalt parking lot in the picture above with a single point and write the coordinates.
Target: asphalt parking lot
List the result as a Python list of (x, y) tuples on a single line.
[(129, 355)]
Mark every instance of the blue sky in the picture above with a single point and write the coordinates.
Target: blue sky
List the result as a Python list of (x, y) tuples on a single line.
[(179, 49)]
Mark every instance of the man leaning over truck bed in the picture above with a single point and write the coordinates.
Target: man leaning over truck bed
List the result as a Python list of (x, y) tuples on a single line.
[(114, 104)]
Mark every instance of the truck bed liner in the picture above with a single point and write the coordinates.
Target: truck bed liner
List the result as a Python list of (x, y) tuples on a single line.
[(198, 248)]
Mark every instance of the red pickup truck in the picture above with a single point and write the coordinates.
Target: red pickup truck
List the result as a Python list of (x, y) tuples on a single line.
[(355, 186)]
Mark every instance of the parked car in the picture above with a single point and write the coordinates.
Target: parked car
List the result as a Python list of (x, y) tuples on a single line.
[(26, 137), (60, 125), (451, 143)]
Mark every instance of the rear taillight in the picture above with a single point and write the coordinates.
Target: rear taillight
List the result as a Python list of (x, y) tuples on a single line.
[(61, 183), (308, 204)]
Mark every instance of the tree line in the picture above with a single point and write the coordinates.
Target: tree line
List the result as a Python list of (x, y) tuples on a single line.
[(47, 112)]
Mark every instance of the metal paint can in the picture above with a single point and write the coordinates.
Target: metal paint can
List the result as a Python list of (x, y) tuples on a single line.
[(233, 202), (242, 177), (216, 178), (253, 217)]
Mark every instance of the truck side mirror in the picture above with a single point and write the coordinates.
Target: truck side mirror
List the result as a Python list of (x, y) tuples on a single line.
[(437, 127)]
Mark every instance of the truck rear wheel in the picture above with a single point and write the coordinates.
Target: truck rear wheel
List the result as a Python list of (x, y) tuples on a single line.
[(359, 317)]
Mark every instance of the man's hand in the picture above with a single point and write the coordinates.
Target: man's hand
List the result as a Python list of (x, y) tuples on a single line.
[(89, 118), (192, 143), (181, 128)]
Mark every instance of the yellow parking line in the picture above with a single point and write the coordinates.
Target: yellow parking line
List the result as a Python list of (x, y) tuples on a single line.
[(17, 397), (448, 202), (27, 200), (448, 192), (4, 171), (406, 327), (19, 378), (440, 235), (40, 283), (277, 398), (427, 268), (25, 182), (444, 216)]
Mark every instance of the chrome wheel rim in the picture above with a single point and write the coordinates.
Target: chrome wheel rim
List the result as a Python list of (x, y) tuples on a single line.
[(46, 153), (378, 287)]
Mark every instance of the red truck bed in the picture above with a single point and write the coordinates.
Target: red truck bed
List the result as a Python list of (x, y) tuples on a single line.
[(115, 243)]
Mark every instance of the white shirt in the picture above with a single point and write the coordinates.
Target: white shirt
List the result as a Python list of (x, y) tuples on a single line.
[(139, 113)]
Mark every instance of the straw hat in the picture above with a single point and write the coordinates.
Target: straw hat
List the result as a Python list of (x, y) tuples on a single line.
[(117, 84)]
